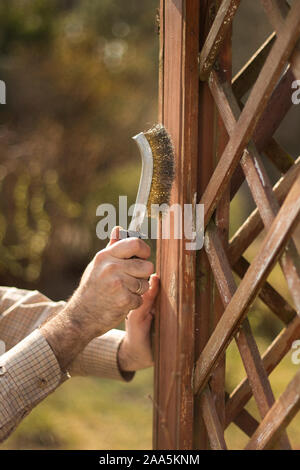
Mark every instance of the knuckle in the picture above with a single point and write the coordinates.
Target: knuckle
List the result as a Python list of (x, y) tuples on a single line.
[(136, 244), (109, 269), (99, 257), (147, 248), (136, 302), (145, 286), (117, 283)]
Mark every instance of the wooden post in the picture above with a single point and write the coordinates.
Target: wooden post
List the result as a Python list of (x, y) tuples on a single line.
[(174, 344)]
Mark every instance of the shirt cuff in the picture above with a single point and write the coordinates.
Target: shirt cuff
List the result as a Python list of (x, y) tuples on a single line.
[(28, 373), (100, 358)]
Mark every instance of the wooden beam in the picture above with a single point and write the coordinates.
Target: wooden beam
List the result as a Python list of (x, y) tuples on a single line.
[(217, 36), (174, 338), (212, 421)]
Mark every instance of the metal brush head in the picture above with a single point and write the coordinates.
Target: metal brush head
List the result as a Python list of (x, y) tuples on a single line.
[(163, 165), (157, 174)]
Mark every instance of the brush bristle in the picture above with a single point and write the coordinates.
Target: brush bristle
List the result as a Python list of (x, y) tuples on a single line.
[(163, 165)]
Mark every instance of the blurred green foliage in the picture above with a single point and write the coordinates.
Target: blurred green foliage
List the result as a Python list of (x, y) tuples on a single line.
[(81, 80)]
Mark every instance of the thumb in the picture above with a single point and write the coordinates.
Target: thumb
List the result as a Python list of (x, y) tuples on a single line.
[(115, 235), (152, 292)]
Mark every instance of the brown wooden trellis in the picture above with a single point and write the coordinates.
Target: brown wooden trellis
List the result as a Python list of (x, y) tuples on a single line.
[(218, 144)]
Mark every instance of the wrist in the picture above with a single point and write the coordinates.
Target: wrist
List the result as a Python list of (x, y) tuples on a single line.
[(65, 336)]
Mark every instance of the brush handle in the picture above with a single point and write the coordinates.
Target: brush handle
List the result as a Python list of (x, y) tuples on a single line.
[(131, 234)]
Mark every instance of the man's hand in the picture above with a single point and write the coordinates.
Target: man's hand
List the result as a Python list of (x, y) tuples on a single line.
[(135, 351), (106, 293)]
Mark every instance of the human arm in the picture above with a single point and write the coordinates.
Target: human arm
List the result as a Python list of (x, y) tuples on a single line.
[(29, 371)]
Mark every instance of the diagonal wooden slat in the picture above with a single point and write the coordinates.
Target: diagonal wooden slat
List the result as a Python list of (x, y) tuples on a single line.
[(252, 227), (258, 183), (279, 105), (244, 338), (212, 422), (216, 36), (245, 421), (217, 382), (252, 111), (271, 358), (249, 287), (271, 298), (278, 417), (276, 11), (268, 207)]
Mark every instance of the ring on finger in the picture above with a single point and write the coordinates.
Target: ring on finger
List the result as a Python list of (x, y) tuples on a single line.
[(140, 289)]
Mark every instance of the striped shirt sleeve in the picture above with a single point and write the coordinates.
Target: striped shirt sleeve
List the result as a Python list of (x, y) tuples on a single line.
[(29, 370)]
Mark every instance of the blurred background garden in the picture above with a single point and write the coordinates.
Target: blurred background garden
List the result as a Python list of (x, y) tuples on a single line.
[(81, 79)]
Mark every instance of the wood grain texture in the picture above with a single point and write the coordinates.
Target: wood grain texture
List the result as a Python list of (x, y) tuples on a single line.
[(174, 348), (217, 36), (212, 421)]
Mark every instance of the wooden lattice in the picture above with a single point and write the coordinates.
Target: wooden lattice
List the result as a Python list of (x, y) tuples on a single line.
[(218, 143)]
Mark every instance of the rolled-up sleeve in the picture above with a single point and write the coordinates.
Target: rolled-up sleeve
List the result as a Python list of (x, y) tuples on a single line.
[(29, 372), (22, 311), (100, 358)]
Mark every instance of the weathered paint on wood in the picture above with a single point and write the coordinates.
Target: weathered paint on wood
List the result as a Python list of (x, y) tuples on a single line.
[(174, 349)]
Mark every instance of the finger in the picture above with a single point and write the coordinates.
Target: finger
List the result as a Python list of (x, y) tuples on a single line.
[(129, 247), (152, 292), (135, 301), (153, 285), (146, 311), (136, 286), (114, 236), (138, 268)]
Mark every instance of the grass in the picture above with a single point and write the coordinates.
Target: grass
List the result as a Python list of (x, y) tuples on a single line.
[(89, 413)]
